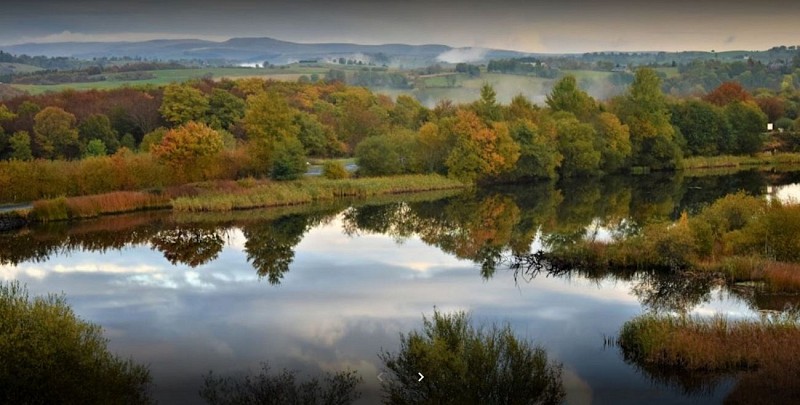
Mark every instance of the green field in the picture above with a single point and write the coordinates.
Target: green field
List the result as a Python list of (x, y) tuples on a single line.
[(163, 77), (18, 68)]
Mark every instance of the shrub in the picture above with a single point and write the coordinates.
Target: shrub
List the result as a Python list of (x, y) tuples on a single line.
[(334, 170), (50, 356), (463, 364), (282, 388)]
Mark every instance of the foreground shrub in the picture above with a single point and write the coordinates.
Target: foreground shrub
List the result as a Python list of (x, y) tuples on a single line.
[(50, 356), (281, 388), (463, 364)]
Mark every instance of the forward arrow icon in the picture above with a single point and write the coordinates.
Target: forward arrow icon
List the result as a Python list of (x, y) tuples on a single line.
[(420, 376)]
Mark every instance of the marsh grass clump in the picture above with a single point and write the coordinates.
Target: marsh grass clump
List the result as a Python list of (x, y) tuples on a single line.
[(762, 353), (50, 356)]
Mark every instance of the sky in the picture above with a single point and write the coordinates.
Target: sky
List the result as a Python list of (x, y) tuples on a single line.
[(528, 26)]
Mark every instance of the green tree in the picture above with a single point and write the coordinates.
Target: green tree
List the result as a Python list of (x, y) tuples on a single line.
[(50, 356), (576, 144), (539, 156), (225, 109), (183, 103), (128, 141), (480, 151), (317, 139), (566, 96), (96, 147), (56, 135), (705, 128), (747, 123), (152, 138), (407, 112), (98, 126), (20, 144), (486, 107), (433, 147), (189, 149), (465, 364), (644, 109), (289, 160), (383, 155), (613, 141), (268, 119), (521, 109)]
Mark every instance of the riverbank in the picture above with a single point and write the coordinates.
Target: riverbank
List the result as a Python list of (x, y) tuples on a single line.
[(233, 195), (728, 161)]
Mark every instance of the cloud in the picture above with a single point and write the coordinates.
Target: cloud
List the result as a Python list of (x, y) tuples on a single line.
[(462, 55)]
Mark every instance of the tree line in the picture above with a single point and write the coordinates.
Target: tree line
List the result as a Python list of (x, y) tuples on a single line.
[(269, 128)]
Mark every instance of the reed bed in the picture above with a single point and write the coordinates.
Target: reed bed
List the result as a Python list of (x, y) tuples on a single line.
[(715, 344)]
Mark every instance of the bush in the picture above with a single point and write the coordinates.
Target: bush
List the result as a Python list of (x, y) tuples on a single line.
[(50, 356), (463, 364), (283, 388), (334, 170)]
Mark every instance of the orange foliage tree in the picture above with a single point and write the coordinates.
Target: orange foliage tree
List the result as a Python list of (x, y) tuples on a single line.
[(727, 93), (480, 151), (189, 149)]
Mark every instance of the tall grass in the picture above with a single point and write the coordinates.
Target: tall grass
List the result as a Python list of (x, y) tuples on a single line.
[(766, 350), (62, 208), (305, 191), (729, 161)]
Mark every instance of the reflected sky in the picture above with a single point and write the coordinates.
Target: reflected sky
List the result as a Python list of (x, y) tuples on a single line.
[(345, 299)]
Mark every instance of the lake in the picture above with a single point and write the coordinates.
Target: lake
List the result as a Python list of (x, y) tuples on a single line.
[(327, 288)]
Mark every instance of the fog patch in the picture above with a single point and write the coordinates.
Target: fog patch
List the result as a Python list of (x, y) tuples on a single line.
[(462, 55)]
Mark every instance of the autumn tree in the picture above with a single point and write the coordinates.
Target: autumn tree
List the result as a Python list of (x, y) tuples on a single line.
[(480, 151), (727, 93), (521, 109), (183, 103), (566, 96), (56, 135), (189, 149)]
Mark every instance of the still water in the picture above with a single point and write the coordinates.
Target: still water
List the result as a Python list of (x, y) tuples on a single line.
[(327, 288)]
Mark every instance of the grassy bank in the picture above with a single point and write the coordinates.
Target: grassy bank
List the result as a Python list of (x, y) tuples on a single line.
[(728, 161), (233, 195), (739, 237), (310, 190)]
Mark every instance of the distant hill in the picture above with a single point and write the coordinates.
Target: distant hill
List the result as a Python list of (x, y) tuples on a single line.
[(259, 50)]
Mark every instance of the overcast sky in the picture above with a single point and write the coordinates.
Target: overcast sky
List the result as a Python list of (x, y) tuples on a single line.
[(532, 26)]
